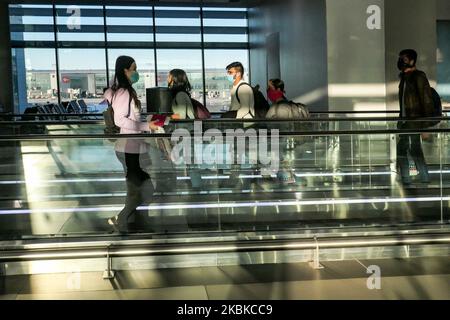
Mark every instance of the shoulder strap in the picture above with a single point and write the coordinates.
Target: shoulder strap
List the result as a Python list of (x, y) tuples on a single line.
[(129, 107)]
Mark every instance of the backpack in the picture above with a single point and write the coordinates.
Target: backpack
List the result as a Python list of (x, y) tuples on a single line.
[(292, 110), (110, 125), (437, 110), (437, 102), (261, 105), (200, 111)]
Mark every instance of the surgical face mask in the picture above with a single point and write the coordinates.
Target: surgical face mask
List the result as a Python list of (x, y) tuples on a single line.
[(274, 95), (231, 78), (134, 78)]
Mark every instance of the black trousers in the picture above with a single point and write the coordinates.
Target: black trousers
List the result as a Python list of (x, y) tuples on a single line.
[(139, 185), (134, 172), (411, 144)]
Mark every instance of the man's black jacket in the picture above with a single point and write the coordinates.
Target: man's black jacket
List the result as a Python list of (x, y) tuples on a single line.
[(418, 100)]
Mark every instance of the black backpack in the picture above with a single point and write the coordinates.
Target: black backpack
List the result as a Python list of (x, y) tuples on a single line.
[(437, 111), (437, 101), (261, 105)]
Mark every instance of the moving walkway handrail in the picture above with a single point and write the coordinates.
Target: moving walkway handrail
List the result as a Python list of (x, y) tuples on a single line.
[(213, 113), (129, 249), (359, 119), (325, 133)]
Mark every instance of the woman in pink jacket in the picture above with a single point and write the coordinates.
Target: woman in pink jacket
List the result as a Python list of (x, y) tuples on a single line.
[(127, 114)]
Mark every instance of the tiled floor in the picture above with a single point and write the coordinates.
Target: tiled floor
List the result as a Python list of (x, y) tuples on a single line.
[(424, 278)]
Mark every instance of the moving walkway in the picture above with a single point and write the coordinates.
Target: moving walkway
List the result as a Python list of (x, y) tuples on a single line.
[(341, 199)]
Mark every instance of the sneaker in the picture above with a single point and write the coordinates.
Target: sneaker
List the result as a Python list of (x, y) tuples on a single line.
[(117, 225)]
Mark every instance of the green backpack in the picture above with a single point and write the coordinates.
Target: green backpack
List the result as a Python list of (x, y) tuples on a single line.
[(110, 126)]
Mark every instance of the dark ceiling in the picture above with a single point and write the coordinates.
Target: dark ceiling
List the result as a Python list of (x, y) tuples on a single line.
[(228, 3)]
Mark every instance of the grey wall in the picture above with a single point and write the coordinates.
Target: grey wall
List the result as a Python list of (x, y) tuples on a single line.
[(443, 10), (356, 73), (328, 55), (303, 47), (5, 60), (443, 67), (409, 24)]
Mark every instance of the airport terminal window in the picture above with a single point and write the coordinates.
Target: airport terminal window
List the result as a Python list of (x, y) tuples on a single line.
[(188, 60), (146, 67), (443, 66), (217, 86), (129, 26), (97, 33), (178, 25), (82, 78), (77, 24), (34, 76), (31, 25), (225, 25)]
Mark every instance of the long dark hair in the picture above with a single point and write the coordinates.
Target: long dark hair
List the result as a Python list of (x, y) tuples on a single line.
[(277, 84), (180, 82), (121, 81)]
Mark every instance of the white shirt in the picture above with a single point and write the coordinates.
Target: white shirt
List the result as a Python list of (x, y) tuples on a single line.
[(246, 108)]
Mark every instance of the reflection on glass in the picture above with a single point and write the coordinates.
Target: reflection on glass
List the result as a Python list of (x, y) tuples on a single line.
[(315, 185)]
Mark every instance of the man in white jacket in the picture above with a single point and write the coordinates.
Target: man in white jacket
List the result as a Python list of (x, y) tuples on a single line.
[(242, 98)]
